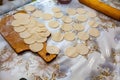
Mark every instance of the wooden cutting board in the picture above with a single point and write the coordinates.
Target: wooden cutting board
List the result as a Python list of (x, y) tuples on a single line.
[(16, 42)]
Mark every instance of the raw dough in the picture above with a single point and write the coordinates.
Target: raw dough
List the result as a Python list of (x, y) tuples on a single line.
[(71, 52), (20, 29), (21, 16), (69, 36), (83, 36), (37, 14), (66, 19), (58, 36), (58, 15), (47, 16), (30, 40), (41, 39), (53, 24), (66, 27), (15, 23), (36, 47), (71, 11), (25, 34), (40, 24), (78, 27), (82, 18), (29, 8), (94, 32), (56, 9), (31, 24), (81, 11), (91, 14), (93, 24), (82, 49), (20, 22), (52, 49)]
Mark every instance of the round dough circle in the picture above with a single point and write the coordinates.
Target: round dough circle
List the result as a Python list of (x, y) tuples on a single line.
[(91, 14), (71, 11), (58, 36), (93, 24), (56, 9), (21, 16), (81, 11), (16, 23), (82, 18), (47, 16), (37, 13), (83, 36), (41, 39), (19, 29), (25, 34), (53, 24), (29, 8), (71, 52), (52, 49), (58, 15), (82, 49), (36, 47), (31, 24), (40, 24), (30, 40), (66, 27), (66, 19), (69, 36), (94, 32), (78, 27)]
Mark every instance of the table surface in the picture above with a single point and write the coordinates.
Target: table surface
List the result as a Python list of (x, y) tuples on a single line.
[(32, 67)]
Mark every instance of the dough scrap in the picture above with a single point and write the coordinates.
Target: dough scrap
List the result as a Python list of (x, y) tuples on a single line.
[(66, 27), (47, 16), (81, 11), (53, 24), (71, 52), (52, 49), (36, 47), (69, 36), (58, 15), (66, 19), (56, 9), (82, 49), (94, 32), (78, 27), (29, 8), (71, 11), (58, 36), (19, 29), (83, 36)]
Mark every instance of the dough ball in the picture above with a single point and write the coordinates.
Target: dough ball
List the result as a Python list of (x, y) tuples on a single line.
[(52, 49), (83, 36), (36, 47)]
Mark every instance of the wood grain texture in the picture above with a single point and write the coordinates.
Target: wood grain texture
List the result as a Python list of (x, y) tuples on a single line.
[(16, 42), (102, 7)]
